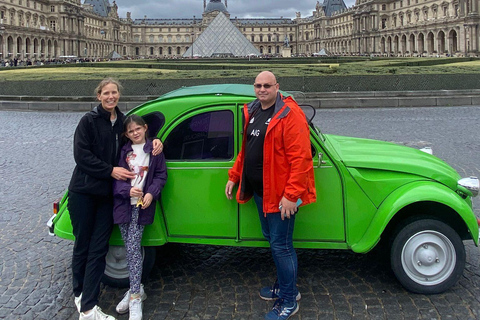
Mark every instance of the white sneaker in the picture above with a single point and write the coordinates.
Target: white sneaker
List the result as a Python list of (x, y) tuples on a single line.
[(78, 302), (122, 306), (136, 307), (96, 314)]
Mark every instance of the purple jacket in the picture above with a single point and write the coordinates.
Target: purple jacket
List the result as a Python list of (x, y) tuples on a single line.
[(155, 180)]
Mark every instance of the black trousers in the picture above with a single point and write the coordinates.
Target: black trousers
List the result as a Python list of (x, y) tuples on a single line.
[(92, 222)]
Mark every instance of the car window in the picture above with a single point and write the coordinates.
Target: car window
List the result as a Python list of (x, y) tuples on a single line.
[(206, 136), (155, 122)]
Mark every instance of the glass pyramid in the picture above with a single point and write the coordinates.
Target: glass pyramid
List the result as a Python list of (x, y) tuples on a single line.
[(221, 39)]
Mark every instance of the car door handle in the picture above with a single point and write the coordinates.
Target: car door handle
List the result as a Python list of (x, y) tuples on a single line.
[(320, 160)]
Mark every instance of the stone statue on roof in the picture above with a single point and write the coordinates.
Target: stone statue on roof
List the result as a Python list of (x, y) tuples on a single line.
[(113, 12)]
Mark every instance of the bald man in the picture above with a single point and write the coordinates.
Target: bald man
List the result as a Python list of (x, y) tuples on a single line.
[(275, 168)]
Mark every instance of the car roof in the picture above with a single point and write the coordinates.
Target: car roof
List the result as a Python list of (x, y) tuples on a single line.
[(218, 89)]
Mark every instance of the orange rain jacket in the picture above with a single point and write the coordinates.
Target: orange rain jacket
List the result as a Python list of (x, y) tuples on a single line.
[(287, 157)]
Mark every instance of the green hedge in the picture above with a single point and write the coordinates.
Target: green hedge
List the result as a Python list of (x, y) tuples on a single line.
[(391, 82)]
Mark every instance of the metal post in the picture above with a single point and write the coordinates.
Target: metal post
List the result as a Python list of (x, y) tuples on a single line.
[(192, 34)]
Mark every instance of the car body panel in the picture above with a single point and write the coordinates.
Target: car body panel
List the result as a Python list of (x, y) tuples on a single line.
[(411, 193), (390, 157)]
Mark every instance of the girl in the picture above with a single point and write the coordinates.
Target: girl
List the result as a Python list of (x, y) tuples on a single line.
[(134, 204)]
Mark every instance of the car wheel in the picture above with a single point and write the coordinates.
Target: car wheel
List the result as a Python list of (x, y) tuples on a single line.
[(427, 256), (116, 268)]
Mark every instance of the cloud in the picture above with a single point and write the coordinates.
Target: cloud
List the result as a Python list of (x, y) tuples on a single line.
[(237, 8)]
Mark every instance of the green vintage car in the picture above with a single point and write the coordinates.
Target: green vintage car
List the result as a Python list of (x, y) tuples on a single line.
[(369, 192)]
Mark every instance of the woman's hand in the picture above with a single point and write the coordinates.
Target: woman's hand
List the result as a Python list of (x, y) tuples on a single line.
[(147, 200), (120, 173), (157, 147)]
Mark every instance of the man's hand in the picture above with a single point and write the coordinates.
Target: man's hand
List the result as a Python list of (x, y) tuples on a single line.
[(157, 147), (287, 208), (229, 189), (120, 173)]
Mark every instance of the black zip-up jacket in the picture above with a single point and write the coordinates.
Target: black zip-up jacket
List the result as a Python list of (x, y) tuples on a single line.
[(96, 146)]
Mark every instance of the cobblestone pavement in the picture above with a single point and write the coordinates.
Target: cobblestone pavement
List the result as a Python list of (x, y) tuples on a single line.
[(207, 282)]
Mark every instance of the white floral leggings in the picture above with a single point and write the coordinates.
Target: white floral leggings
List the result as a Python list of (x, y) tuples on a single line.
[(132, 236)]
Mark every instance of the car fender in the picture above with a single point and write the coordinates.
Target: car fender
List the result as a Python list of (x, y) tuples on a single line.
[(410, 193)]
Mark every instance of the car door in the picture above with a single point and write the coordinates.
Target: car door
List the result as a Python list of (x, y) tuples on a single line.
[(322, 221), (199, 148)]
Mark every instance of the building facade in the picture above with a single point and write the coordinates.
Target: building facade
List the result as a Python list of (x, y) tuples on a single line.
[(46, 29)]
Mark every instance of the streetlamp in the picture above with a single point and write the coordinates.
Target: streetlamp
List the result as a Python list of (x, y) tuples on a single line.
[(192, 34), (2, 31), (275, 35)]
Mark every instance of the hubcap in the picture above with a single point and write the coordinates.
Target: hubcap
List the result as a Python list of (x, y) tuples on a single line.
[(116, 262), (428, 257)]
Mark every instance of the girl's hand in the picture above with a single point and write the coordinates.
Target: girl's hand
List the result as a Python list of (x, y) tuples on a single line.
[(120, 173), (136, 192), (147, 200), (157, 147)]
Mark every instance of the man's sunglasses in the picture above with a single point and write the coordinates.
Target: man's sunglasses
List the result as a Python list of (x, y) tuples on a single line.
[(266, 85)]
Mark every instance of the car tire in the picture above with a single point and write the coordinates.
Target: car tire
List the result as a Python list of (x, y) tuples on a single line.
[(116, 269), (427, 256)]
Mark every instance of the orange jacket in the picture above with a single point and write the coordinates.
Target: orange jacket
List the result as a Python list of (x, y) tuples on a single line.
[(287, 157)]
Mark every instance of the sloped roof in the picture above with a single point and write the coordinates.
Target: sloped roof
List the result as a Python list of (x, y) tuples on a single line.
[(323, 52), (164, 21), (264, 21), (221, 37), (331, 6), (100, 7), (114, 55), (215, 5)]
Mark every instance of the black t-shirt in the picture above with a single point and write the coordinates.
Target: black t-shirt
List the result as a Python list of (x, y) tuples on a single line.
[(256, 130)]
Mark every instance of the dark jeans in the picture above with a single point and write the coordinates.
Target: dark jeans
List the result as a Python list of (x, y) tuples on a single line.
[(279, 234), (92, 221)]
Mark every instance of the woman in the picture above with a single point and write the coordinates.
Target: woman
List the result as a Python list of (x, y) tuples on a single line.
[(96, 145)]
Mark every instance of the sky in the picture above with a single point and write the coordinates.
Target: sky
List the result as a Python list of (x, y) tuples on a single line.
[(162, 9)]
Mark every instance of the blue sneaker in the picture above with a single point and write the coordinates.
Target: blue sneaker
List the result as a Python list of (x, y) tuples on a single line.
[(272, 293), (282, 310)]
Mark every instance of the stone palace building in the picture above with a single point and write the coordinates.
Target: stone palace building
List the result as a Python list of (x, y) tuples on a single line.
[(46, 29)]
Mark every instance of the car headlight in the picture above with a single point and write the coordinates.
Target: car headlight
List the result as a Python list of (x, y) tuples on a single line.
[(427, 150), (471, 184)]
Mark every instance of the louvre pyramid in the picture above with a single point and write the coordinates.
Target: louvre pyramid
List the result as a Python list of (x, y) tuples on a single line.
[(221, 38)]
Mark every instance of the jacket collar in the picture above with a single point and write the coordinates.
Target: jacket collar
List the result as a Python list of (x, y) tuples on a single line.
[(279, 104), (147, 148), (99, 112)]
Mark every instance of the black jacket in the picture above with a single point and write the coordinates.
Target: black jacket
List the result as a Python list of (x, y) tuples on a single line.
[(96, 146)]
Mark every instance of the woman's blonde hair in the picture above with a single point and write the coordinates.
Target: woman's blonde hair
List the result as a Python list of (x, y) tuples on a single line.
[(104, 82)]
